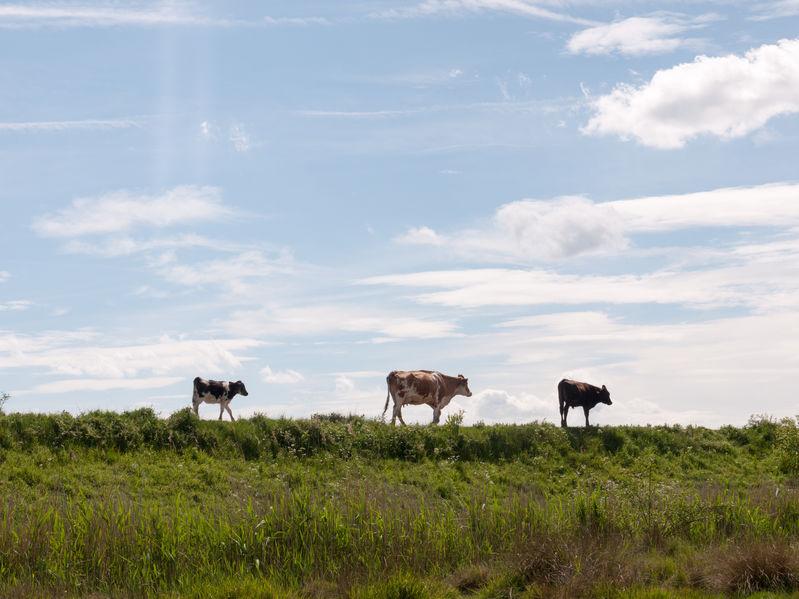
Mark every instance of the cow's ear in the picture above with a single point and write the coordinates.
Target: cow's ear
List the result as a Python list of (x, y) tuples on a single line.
[(460, 376), (604, 388)]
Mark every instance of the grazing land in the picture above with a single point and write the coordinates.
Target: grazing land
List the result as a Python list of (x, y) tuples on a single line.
[(132, 505)]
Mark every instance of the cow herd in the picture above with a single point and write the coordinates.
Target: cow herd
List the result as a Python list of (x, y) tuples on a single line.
[(414, 387)]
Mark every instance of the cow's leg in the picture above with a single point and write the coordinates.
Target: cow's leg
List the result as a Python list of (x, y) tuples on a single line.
[(394, 413), (399, 414), (563, 414), (227, 407), (221, 409), (436, 414), (586, 417), (195, 406)]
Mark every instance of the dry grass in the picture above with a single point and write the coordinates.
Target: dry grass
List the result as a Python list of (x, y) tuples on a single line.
[(575, 565), (749, 567), (470, 578)]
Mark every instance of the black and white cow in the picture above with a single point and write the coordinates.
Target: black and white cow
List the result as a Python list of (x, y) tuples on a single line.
[(221, 392)]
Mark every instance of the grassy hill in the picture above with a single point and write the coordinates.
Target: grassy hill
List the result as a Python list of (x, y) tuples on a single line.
[(129, 505)]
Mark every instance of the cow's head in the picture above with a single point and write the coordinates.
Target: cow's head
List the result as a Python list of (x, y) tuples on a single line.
[(604, 396), (463, 386), (238, 387)]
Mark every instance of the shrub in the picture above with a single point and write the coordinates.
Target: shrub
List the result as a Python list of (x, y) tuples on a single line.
[(787, 441), (752, 567)]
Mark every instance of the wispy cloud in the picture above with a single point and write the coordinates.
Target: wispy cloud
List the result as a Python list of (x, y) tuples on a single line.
[(635, 36), (4, 276), (235, 270), (15, 306), (328, 319), (281, 377), (126, 246), (239, 138), (775, 10), (526, 8), (73, 385), (156, 14), (543, 230), (55, 126), (99, 15), (83, 354), (358, 114), (124, 210), (236, 135), (724, 96)]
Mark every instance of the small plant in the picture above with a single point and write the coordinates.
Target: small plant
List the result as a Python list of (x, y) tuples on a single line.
[(455, 418), (4, 397), (788, 447)]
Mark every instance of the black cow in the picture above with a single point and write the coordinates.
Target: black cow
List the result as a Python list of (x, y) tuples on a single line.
[(573, 393), (220, 392)]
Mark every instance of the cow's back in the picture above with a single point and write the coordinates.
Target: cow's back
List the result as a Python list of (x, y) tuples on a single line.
[(576, 393), (416, 386)]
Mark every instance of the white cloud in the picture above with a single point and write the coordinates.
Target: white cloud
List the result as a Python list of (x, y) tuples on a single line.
[(73, 385), (529, 230), (126, 246), (4, 276), (75, 354), (240, 138), (725, 96), (515, 287), (237, 135), (344, 384), (527, 8), (496, 405), (15, 306), (776, 10), (234, 270), (102, 15), (281, 377), (207, 130), (421, 236), (632, 36), (762, 277), (559, 228), (123, 210), (283, 321), (68, 125), (362, 374), (774, 205), (541, 230)]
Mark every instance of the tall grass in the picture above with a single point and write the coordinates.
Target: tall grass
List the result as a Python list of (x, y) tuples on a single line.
[(261, 437), (133, 505)]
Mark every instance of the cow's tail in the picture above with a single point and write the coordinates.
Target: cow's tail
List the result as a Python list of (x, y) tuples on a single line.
[(389, 379)]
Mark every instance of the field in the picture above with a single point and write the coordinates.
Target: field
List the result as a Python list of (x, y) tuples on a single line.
[(131, 505)]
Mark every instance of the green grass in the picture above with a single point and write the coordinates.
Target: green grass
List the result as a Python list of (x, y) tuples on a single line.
[(131, 505)]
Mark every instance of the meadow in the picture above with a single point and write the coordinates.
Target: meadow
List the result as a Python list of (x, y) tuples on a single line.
[(133, 505)]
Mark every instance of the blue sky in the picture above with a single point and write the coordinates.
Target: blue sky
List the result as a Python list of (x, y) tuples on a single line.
[(307, 195)]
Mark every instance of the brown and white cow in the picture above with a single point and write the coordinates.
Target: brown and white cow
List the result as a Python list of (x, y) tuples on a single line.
[(417, 387)]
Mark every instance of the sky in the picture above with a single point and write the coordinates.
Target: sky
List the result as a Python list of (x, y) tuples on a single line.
[(308, 195)]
